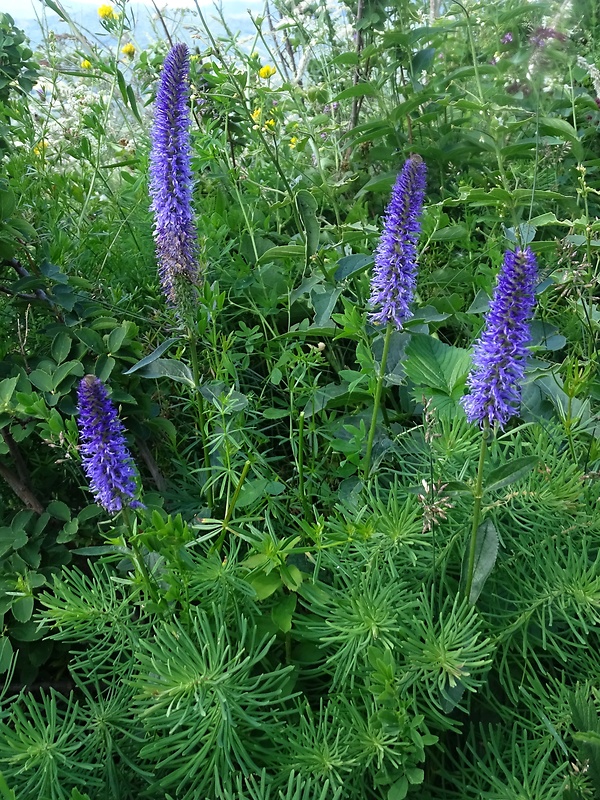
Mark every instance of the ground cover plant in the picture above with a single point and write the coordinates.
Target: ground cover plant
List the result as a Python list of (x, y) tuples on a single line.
[(299, 405)]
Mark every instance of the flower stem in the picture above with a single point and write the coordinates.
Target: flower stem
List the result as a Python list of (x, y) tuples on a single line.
[(231, 507), (377, 401), (201, 415), (301, 485), (138, 558), (478, 495)]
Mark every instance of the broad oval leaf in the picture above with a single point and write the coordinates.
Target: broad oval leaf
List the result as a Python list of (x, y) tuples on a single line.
[(152, 357), (509, 473)]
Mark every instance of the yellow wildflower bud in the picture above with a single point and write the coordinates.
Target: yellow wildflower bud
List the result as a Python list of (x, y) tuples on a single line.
[(270, 123), (128, 50), (293, 142), (106, 12), (40, 147), (256, 114), (85, 64), (266, 72)]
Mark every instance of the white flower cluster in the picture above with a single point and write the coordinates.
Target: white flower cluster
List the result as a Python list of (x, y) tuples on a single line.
[(592, 71), (66, 111)]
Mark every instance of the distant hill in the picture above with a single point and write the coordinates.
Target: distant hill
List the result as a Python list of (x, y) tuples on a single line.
[(147, 26)]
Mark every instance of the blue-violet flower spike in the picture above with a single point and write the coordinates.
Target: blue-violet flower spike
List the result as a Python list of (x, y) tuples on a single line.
[(500, 353), (106, 460), (395, 274), (171, 180)]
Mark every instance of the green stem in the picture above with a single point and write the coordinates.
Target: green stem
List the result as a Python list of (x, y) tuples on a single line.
[(199, 402), (138, 558), (473, 52), (478, 495), (301, 486), (377, 401), (240, 90), (231, 507)]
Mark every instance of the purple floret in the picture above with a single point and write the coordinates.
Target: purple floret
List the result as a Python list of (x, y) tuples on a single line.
[(171, 179), (107, 462), (500, 354), (395, 273)]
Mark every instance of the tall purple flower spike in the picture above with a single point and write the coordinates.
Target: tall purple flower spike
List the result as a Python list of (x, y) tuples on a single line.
[(171, 180), (106, 459), (500, 352), (395, 274)]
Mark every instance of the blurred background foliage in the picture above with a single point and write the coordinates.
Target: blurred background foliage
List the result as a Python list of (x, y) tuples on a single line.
[(306, 640)]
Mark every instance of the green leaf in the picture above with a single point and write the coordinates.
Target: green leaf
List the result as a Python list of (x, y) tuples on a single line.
[(41, 380), (91, 339), (415, 775), (64, 370), (168, 368), (324, 396), (26, 631), (222, 397), (284, 251), (307, 208), (380, 183), (291, 576), (7, 203), (351, 265), (133, 103), (11, 540), (22, 608), (398, 790), (7, 388), (122, 85), (5, 792), (560, 127), (435, 365), (282, 613), (359, 90), (115, 339), (152, 357), (103, 370), (59, 510), (589, 737), (450, 233), (265, 585), (6, 654), (61, 346), (57, 10), (97, 550), (68, 532), (276, 413), (486, 553), (509, 473)]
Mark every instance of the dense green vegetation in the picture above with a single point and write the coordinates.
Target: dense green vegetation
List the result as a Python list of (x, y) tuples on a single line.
[(289, 616)]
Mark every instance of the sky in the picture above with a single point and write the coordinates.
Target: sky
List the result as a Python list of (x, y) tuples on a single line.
[(29, 9)]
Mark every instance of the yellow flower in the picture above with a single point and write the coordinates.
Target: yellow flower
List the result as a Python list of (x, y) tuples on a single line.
[(293, 142), (128, 50), (270, 123), (40, 147), (85, 64), (106, 12), (256, 114), (266, 72)]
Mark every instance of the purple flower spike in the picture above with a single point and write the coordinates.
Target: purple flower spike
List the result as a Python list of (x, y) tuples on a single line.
[(171, 180), (106, 460), (395, 274), (541, 36), (501, 351), (507, 38)]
